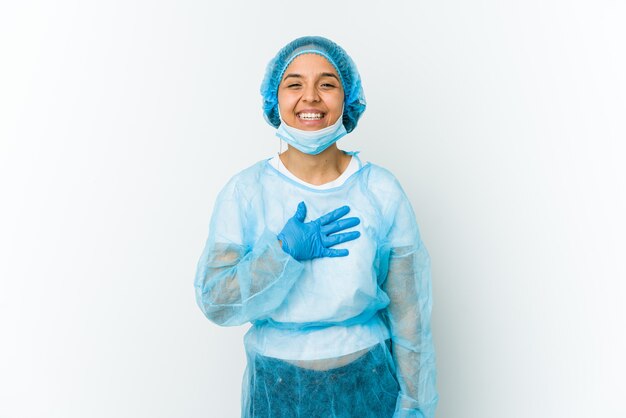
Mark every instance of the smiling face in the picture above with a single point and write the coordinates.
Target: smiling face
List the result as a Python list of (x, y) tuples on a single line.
[(310, 95)]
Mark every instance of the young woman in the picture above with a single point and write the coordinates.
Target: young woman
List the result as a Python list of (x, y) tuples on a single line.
[(321, 253)]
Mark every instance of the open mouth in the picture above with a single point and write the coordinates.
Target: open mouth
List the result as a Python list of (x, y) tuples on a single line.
[(310, 116)]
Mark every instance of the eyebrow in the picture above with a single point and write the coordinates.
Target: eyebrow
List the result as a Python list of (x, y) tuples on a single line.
[(294, 75)]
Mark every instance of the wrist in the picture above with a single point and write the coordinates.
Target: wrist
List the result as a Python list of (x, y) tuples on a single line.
[(283, 243)]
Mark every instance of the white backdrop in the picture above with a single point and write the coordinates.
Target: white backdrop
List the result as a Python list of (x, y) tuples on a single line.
[(121, 120)]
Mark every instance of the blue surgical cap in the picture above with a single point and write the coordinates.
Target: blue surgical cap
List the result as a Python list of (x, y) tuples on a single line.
[(354, 100)]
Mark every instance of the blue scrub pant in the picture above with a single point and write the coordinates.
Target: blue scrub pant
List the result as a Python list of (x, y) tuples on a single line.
[(364, 388)]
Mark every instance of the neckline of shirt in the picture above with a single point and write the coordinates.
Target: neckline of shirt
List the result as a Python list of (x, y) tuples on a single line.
[(353, 167)]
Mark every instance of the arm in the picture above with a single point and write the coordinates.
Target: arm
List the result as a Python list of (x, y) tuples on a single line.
[(235, 283), (408, 285)]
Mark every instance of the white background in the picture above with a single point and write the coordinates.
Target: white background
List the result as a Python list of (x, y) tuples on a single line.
[(121, 120)]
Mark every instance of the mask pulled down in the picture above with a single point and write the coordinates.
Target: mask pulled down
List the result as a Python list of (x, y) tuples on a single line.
[(311, 142)]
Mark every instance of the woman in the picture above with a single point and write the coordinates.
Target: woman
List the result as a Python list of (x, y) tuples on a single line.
[(340, 306)]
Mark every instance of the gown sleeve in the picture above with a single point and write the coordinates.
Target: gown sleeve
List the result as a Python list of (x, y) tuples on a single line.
[(408, 285), (238, 278)]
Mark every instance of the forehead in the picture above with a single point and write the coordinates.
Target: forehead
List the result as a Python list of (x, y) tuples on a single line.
[(310, 64)]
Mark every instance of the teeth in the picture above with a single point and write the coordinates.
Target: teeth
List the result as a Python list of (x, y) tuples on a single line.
[(311, 116)]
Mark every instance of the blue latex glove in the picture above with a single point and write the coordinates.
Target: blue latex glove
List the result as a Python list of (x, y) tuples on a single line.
[(306, 241)]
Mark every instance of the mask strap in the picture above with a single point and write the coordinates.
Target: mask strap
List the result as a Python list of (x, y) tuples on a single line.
[(280, 151)]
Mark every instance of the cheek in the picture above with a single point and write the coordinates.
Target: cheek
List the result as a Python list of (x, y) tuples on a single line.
[(335, 101), (286, 101)]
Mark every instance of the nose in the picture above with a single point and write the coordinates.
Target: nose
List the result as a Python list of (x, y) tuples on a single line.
[(310, 93)]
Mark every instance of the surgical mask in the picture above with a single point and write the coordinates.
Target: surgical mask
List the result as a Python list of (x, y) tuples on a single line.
[(311, 142)]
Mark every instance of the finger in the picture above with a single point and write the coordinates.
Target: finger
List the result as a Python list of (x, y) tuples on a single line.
[(301, 212), (332, 252), (340, 225), (335, 239), (334, 215)]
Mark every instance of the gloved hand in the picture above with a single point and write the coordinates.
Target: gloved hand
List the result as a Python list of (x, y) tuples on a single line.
[(306, 241)]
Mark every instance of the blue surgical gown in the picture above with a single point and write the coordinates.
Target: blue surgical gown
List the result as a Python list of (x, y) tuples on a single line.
[(318, 313)]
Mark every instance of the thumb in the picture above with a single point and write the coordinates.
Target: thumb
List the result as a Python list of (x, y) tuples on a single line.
[(301, 212)]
